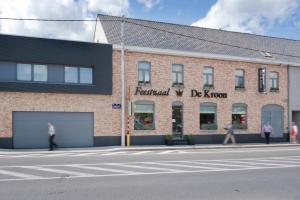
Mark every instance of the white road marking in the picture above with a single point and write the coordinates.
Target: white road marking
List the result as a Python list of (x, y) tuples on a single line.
[(280, 161), (210, 163), (146, 167), (103, 169), (186, 166), (18, 174), (114, 153), (250, 162), (84, 154), (141, 152), (60, 171), (168, 151)]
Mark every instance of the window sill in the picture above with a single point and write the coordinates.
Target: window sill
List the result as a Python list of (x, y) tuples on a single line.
[(177, 86), (274, 90), (144, 84), (208, 87), (242, 89)]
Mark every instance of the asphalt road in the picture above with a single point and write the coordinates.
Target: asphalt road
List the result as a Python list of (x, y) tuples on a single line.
[(255, 173)]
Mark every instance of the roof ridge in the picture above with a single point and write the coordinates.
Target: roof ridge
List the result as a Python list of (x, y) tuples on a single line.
[(199, 27)]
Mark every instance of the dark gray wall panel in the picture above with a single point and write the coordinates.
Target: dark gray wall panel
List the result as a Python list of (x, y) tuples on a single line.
[(56, 74), (7, 71), (6, 143), (58, 52), (30, 129), (107, 141)]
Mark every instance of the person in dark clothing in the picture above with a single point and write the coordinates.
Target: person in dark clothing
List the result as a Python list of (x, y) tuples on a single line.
[(52, 133)]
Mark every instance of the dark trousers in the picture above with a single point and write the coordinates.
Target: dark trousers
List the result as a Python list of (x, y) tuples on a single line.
[(267, 134), (51, 142)]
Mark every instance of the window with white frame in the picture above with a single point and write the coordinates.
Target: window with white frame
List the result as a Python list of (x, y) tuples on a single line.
[(177, 75), (144, 116), (208, 77), (239, 79), (274, 81), (144, 73), (208, 116), (239, 116)]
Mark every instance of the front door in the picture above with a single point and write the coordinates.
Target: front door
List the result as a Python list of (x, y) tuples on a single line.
[(273, 114), (177, 121)]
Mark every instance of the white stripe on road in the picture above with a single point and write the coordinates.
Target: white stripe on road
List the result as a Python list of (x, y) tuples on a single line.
[(187, 166), (18, 174), (280, 161), (145, 167), (103, 169), (84, 154), (141, 152), (60, 171), (217, 164), (114, 153), (250, 162)]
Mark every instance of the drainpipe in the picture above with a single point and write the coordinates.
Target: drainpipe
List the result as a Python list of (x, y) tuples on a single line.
[(288, 100), (122, 85)]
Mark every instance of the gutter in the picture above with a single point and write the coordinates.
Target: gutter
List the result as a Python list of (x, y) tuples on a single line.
[(202, 55)]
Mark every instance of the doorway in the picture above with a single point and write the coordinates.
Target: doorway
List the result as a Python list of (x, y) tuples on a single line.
[(177, 115), (273, 114)]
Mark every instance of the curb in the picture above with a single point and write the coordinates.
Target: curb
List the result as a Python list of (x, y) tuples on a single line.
[(147, 148)]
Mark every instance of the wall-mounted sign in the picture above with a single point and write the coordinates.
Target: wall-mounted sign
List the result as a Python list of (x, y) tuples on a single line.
[(262, 79), (116, 106), (207, 94), (151, 92)]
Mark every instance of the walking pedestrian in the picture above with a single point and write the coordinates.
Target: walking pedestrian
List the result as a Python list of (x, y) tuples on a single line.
[(52, 133), (267, 130), (229, 134), (294, 133)]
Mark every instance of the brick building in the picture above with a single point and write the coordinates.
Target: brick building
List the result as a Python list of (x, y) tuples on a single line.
[(179, 80)]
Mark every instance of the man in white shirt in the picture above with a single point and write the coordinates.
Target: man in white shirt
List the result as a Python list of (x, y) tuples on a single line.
[(267, 130), (51, 132)]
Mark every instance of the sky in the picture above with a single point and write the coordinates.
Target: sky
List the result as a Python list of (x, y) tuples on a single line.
[(278, 18)]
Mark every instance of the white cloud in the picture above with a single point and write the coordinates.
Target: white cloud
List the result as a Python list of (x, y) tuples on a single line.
[(149, 3), (248, 16), (57, 9)]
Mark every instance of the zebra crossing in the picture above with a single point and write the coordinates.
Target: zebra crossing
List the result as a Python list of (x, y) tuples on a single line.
[(92, 170), (96, 153)]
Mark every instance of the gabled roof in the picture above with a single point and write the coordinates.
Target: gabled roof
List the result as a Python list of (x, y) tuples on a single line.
[(159, 35)]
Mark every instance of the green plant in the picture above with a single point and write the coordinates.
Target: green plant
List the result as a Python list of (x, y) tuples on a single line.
[(190, 139), (168, 139), (240, 126)]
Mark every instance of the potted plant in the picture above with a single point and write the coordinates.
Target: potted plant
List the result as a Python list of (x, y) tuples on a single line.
[(168, 139), (190, 139)]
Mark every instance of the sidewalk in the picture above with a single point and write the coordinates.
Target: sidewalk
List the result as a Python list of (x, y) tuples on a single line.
[(146, 148)]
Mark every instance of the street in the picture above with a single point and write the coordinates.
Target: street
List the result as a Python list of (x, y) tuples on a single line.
[(239, 173)]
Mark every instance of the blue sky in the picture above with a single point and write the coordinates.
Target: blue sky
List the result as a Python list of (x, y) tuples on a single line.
[(279, 18)]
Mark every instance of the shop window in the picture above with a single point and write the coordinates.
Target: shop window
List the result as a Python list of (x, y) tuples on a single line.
[(239, 79), (274, 85), (177, 75), (144, 71), (208, 116), (208, 77), (239, 116), (144, 116)]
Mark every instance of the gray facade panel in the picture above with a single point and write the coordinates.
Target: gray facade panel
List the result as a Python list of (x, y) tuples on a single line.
[(30, 129), (294, 95), (58, 52), (7, 71), (56, 74)]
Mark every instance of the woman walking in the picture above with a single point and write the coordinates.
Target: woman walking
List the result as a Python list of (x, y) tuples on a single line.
[(294, 133)]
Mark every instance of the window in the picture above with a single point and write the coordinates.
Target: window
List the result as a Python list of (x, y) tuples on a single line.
[(208, 119), (24, 72), (239, 116), (144, 73), (208, 77), (144, 116), (274, 85), (86, 75), (40, 73), (71, 74), (177, 74), (239, 79)]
